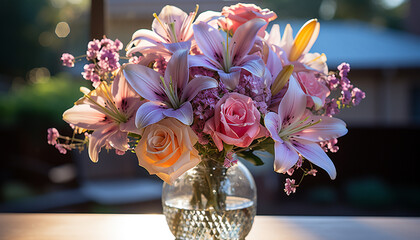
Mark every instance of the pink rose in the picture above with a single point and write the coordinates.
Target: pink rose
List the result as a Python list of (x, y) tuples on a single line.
[(167, 149), (236, 121), (238, 14), (316, 90)]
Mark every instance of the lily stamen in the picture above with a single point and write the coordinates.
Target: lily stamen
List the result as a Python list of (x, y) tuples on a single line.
[(286, 133), (172, 29), (113, 115), (194, 14), (163, 26)]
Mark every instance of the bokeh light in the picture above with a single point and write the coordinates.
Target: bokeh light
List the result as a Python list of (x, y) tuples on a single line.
[(62, 29)]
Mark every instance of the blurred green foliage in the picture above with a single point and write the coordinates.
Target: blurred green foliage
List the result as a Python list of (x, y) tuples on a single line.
[(29, 34), (39, 104)]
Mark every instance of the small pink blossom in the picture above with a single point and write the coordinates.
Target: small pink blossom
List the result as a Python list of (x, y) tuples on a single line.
[(52, 136), (312, 172), (68, 60), (344, 69), (289, 186), (332, 82), (134, 60), (357, 95), (299, 162), (330, 145), (91, 74), (331, 107), (346, 97), (290, 171), (93, 49), (119, 152), (62, 148)]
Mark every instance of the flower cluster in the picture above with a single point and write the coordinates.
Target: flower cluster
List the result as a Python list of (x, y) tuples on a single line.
[(103, 59), (214, 85)]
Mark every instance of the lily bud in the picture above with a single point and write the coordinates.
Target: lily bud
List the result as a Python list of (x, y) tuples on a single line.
[(304, 39), (281, 79)]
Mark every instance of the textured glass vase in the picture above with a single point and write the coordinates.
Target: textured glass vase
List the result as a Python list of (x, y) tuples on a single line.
[(211, 202)]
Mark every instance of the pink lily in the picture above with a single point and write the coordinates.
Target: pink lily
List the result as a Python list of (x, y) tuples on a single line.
[(296, 130), (228, 56), (109, 112), (296, 51), (172, 30), (168, 96)]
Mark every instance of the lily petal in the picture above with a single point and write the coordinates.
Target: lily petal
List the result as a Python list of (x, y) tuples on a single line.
[(184, 114), (203, 61), (327, 129), (315, 154), (145, 34), (293, 104), (274, 64), (209, 41), (98, 139), (85, 116), (196, 85), (253, 64), (121, 91), (169, 14), (287, 39), (244, 38), (177, 69), (144, 81), (231, 80), (141, 39), (119, 141), (173, 47), (285, 157), (209, 17), (304, 39), (274, 37), (149, 113), (272, 122)]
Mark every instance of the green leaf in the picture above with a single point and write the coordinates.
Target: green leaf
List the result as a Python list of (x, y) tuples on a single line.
[(251, 157)]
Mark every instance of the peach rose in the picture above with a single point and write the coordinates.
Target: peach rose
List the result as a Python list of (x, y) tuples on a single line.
[(236, 121), (238, 14), (167, 149)]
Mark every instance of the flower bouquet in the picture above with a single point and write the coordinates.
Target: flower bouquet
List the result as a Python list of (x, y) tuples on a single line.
[(198, 92)]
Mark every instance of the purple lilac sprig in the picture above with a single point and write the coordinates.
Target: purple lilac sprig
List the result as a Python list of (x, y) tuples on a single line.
[(204, 103), (254, 87), (103, 59), (343, 93), (67, 60)]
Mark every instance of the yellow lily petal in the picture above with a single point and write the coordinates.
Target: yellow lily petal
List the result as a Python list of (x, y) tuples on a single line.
[(281, 79), (304, 40)]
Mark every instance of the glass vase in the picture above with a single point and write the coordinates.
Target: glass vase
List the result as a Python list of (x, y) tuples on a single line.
[(211, 201)]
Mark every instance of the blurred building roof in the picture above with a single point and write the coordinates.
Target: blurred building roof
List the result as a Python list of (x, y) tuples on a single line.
[(364, 46), (144, 8)]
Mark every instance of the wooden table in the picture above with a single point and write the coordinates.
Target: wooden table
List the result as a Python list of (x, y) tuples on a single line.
[(124, 227)]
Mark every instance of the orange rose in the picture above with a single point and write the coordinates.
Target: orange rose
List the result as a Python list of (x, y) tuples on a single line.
[(167, 149)]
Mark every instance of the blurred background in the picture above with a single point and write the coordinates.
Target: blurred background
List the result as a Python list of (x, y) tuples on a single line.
[(377, 162)]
